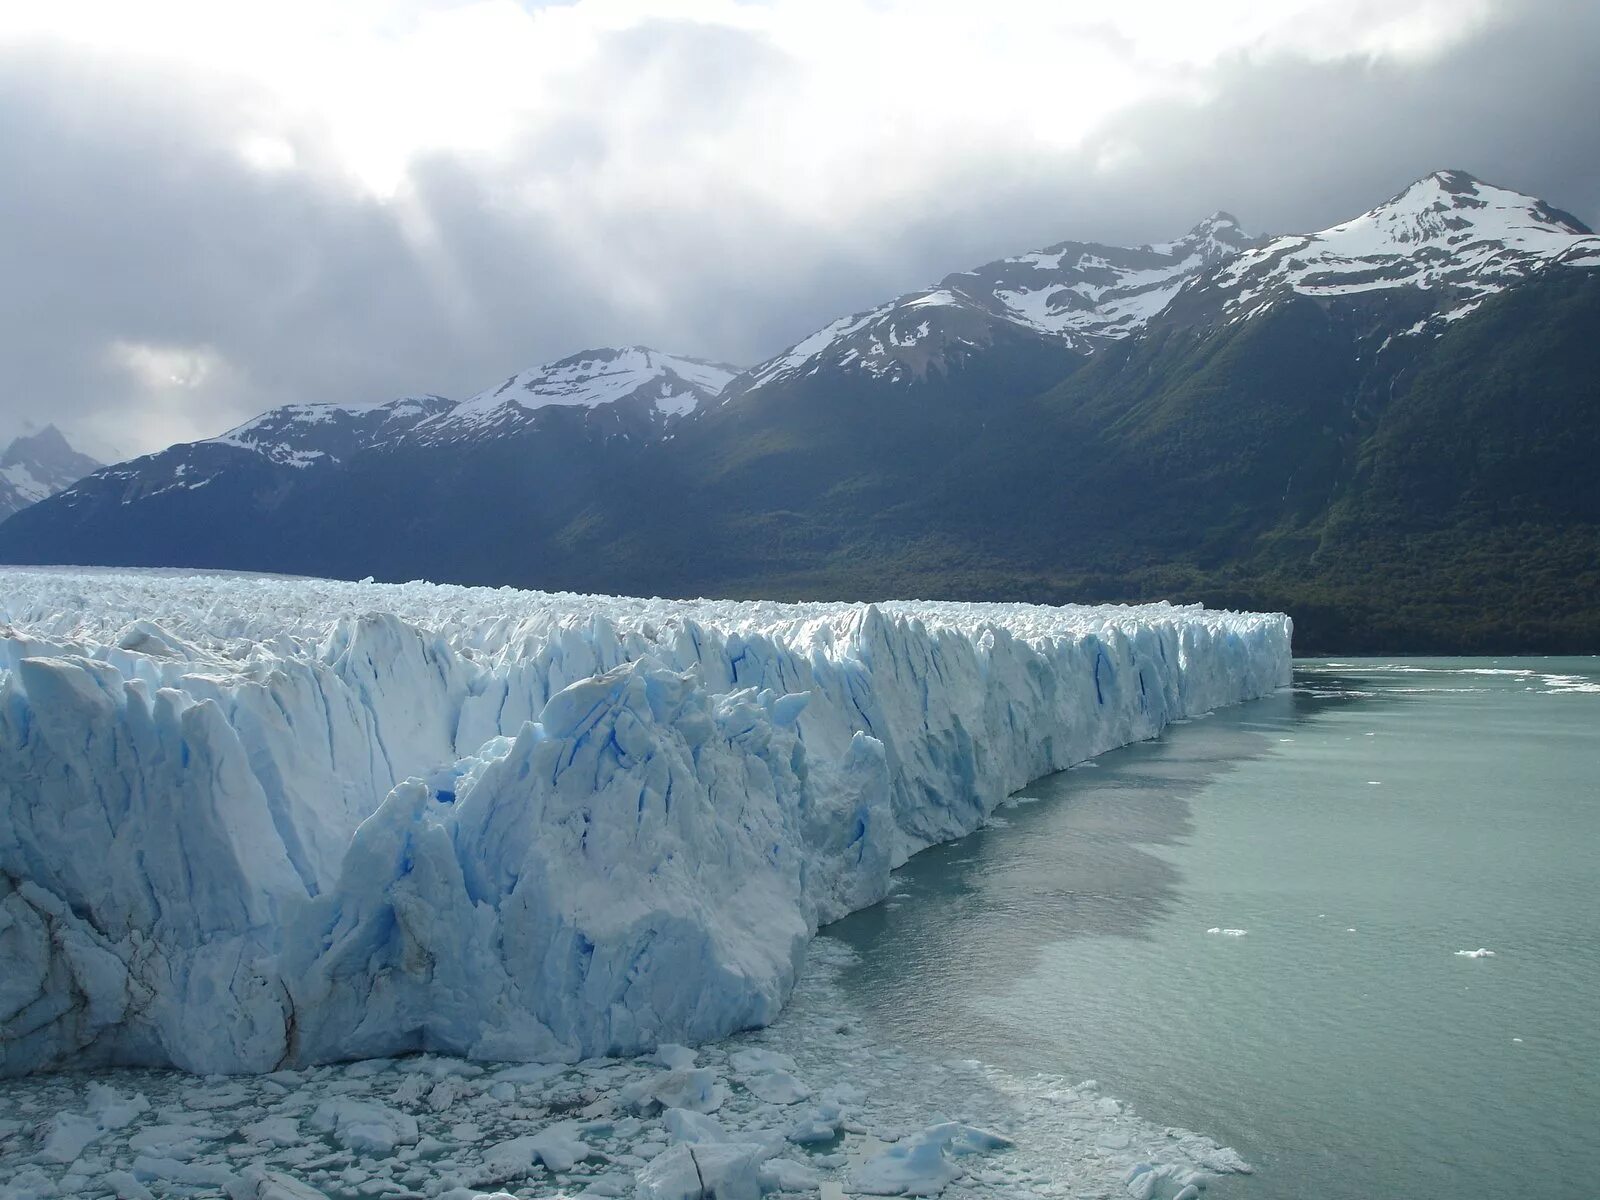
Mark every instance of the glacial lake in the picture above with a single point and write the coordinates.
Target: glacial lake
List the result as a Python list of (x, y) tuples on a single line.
[(1361, 829)]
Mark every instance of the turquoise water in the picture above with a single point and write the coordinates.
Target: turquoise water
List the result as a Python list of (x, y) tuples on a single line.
[(1361, 828)]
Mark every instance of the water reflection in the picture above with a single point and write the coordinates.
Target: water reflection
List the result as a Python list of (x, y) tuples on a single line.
[(1075, 855)]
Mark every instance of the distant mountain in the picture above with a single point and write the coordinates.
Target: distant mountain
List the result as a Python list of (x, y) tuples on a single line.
[(38, 465), (1387, 427)]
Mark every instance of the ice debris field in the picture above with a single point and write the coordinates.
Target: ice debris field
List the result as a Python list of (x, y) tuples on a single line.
[(817, 1103), (252, 825)]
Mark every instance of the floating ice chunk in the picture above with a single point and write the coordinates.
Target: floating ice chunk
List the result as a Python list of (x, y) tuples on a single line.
[(557, 1146), (787, 1175), (67, 1135), (365, 1126), (272, 1132), (175, 1141), (112, 1109), (510, 1159), (529, 1073), (719, 1170), (754, 1060), (674, 1057), (698, 1090), (124, 1186), (153, 1167), (273, 1185), (777, 1087), (1480, 952), (1227, 932), (683, 1125), (924, 1163), (821, 1124), (1146, 1181)]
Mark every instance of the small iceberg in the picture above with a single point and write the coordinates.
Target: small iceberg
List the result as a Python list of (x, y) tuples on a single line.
[(1480, 952)]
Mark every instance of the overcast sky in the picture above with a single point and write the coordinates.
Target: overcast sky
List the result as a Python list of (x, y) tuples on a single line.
[(210, 208)]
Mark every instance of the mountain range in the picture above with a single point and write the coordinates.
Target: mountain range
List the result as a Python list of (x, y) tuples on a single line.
[(1387, 428)]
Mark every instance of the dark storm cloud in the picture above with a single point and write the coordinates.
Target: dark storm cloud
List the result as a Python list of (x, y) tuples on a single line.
[(129, 220)]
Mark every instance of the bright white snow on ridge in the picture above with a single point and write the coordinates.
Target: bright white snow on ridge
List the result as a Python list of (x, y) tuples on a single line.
[(1447, 230), (672, 385), (251, 823)]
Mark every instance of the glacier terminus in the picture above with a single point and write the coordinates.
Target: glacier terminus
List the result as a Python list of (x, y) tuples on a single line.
[(249, 823)]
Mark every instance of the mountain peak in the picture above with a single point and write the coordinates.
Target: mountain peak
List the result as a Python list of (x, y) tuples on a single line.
[(1451, 180), (37, 465), (49, 448), (1449, 240), (48, 441), (1452, 201)]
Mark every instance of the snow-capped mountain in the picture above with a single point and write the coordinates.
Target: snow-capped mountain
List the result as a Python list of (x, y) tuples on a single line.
[(38, 465), (635, 389), (1448, 242), (634, 381), (301, 437), (1216, 417), (1081, 293)]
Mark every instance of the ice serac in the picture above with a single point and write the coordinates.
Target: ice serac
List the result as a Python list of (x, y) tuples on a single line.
[(247, 822)]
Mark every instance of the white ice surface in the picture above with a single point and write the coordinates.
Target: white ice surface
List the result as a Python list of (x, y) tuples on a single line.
[(250, 823)]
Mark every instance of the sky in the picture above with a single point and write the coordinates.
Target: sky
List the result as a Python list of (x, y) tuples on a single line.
[(207, 209)]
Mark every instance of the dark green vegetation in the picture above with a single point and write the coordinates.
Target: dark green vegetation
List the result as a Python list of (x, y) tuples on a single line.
[(1442, 494), (1413, 495)]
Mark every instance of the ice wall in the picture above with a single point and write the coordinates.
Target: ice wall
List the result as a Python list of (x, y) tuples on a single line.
[(250, 822)]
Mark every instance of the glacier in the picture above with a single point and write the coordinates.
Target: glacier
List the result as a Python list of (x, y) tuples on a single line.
[(252, 823)]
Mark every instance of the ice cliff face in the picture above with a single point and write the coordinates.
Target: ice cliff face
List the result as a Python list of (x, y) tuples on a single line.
[(247, 822)]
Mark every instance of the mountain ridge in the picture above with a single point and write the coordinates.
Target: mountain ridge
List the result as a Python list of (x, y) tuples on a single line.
[(1221, 447)]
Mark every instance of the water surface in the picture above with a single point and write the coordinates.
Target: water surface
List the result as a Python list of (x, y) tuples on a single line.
[(1361, 829)]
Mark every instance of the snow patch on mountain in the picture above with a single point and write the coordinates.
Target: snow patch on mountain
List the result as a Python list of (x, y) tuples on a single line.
[(1079, 293), (1448, 233), (254, 822), (664, 385), (1086, 292)]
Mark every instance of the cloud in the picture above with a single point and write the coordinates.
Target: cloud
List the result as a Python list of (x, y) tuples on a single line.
[(213, 213)]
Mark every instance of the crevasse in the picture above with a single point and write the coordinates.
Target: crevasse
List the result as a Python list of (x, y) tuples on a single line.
[(249, 822)]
